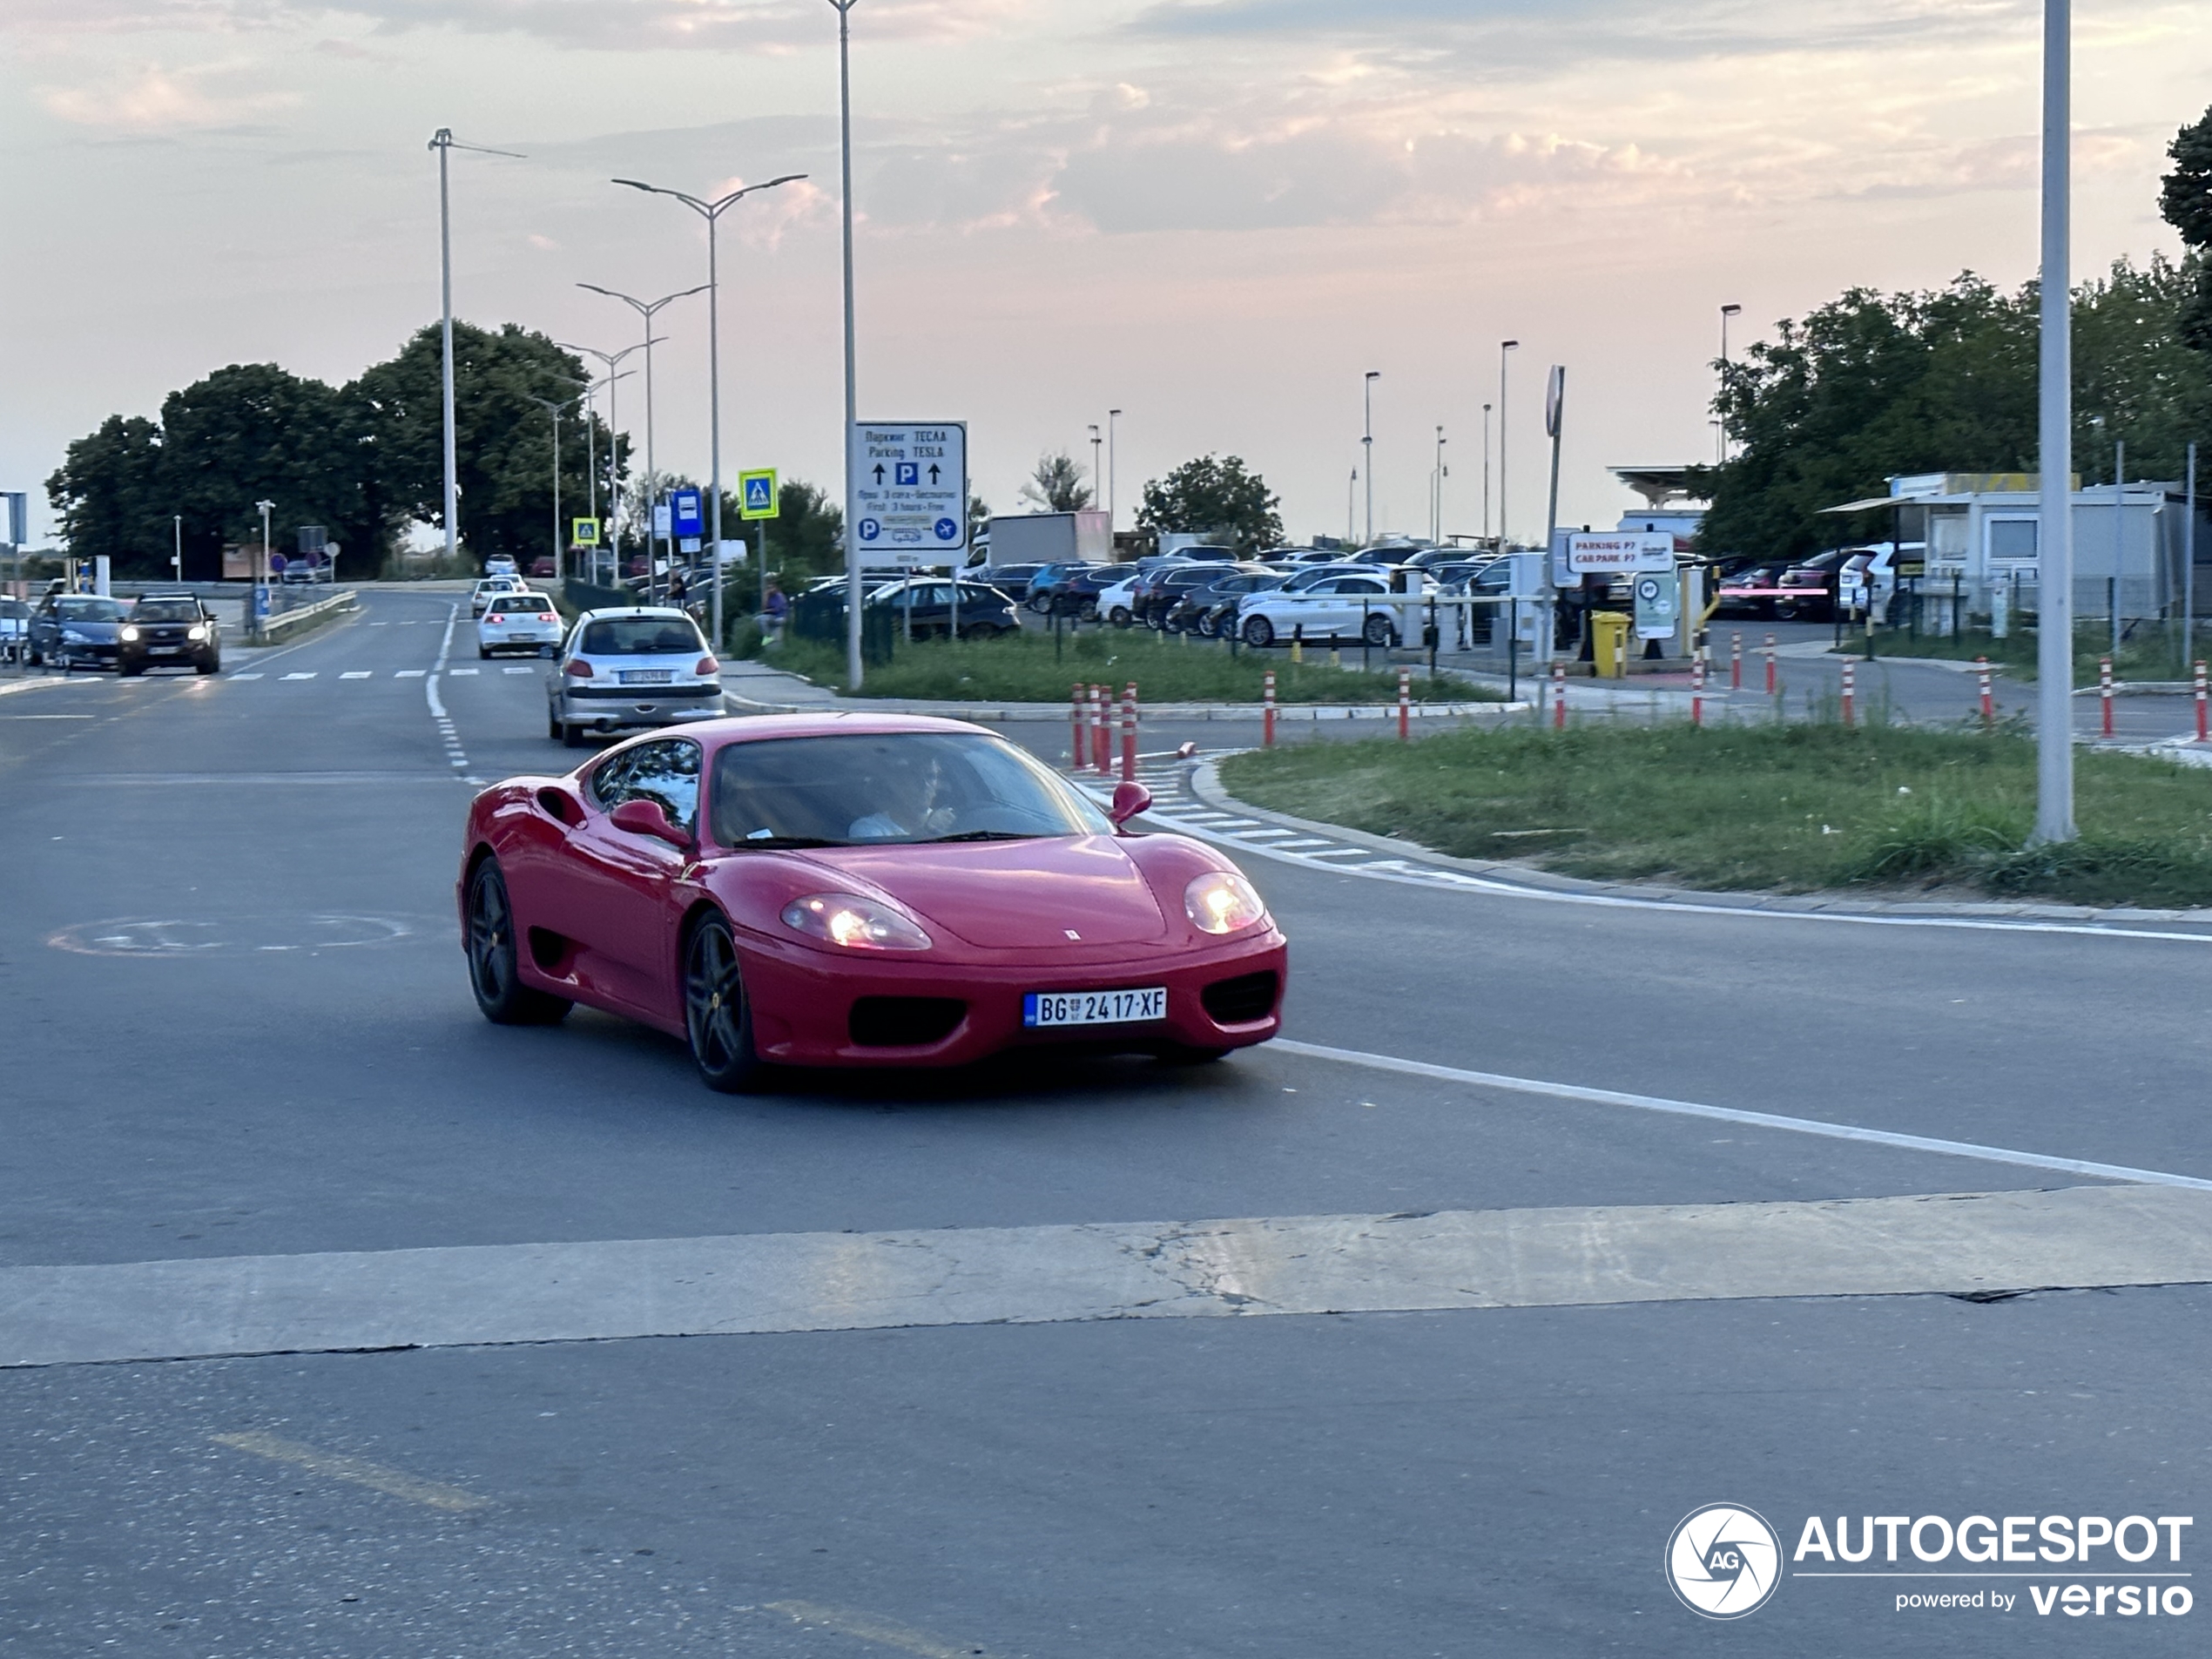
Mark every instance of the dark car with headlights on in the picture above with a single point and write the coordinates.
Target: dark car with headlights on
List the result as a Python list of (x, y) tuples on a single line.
[(168, 630), (77, 630)]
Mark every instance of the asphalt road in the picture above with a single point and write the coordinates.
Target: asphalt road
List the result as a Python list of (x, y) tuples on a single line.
[(238, 1026)]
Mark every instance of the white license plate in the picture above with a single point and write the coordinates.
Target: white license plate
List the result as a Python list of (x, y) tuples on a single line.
[(1094, 1007), (648, 676), (161, 650)]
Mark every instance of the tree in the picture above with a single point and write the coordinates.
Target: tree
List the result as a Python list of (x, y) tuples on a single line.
[(1873, 385), (806, 539), (1210, 496), (108, 494), (2185, 199), (1057, 484)]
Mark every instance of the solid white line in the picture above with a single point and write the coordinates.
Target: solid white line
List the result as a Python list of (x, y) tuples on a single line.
[(1733, 1115)]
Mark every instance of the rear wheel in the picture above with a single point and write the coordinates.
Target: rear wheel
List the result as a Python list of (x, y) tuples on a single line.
[(717, 1015), (1258, 632), (493, 958), (571, 736), (1119, 615), (1377, 631)]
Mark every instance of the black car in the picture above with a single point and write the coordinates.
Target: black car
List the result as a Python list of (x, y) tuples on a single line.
[(77, 630), (1203, 609), (926, 606), (169, 631), (1057, 587), (1806, 591), (1750, 591)]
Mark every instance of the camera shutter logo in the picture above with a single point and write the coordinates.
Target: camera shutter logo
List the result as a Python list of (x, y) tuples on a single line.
[(1723, 1561)]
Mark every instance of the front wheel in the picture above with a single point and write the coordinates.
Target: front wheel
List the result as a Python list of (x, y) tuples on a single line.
[(1260, 633), (493, 958), (1119, 615), (717, 1015), (1377, 631)]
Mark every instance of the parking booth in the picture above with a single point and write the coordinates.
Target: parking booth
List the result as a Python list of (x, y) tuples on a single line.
[(1609, 644)]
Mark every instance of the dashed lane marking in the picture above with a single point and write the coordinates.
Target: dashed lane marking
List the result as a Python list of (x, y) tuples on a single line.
[(457, 756), (458, 673), (355, 674), (518, 671), (308, 675), (241, 676), (355, 1471), (870, 1628), (408, 673)]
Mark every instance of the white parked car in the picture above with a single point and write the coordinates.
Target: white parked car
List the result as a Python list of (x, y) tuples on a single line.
[(1343, 606), (502, 564), (1114, 603), (482, 594), (524, 621), (641, 666)]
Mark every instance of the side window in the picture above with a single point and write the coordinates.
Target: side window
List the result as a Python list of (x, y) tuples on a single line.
[(610, 785), (667, 772)]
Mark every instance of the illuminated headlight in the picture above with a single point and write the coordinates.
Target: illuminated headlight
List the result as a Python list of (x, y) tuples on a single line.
[(856, 923), (1222, 901), (130, 633), (198, 632)]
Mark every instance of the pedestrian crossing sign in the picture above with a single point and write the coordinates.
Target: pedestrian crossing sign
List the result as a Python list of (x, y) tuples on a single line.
[(584, 532), (757, 494)]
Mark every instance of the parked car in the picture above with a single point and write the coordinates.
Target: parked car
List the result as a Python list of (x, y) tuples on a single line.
[(1203, 609), (926, 606), (541, 568), (641, 665), (1750, 591), (524, 621), (77, 630), (1161, 589), (168, 630), (1011, 579), (1339, 606), (482, 594), (14, 628), (1806, 591), (1116, 602), (1049, 582), (501, 564)]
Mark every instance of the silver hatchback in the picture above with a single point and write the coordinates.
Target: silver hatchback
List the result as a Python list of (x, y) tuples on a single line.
[(642, 666)]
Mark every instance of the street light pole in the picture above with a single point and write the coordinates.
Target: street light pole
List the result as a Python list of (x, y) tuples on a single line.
[(260, 600), (1367, 446), (1727, 312), (1350, 505), (1436, 489), (1096, 440), (2054, 551), (712, 212), (444, 142), (851, 406), (553, 408), (177, 559), (612, 360), (645, 308), (1505, 346), (1485, 472), (1112, 523)]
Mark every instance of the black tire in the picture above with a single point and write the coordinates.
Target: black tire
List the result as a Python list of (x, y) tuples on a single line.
[(483, 653), (130, 670), (1260, 633), (493, 958), (208, 665), (717, 1016), (1040, 603), (571, 736), (1118, 615), (1377, 631), (1209, 626)]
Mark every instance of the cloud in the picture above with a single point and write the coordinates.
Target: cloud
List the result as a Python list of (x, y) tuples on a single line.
[(155, 99)]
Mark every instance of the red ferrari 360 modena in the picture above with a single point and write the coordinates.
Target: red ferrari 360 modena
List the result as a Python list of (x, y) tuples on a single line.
[(854, 889)]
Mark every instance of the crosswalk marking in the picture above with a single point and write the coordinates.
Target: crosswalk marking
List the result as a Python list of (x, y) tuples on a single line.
[(242, 677), (409, 673), (458, 672), (355, 674), (309, 675)]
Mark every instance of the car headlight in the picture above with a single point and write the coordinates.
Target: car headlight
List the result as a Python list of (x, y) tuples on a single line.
[(1221, 901), (130, 633), (856, 923), (198, 631), (74, 637)]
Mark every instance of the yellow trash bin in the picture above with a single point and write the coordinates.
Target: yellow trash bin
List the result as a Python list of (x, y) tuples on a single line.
[(1609, 644)]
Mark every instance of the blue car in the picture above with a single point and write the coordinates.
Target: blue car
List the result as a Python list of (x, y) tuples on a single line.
[(77, 630)]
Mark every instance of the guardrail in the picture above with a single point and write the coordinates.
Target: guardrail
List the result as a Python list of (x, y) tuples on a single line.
[(268, 631)]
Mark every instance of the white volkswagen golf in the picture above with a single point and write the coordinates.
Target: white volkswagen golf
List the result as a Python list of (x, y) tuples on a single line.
[(522, 622)]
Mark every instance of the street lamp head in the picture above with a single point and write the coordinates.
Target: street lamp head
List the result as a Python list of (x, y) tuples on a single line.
[(1374, 374), (651, 190), (1732, 310), (1509, 345)]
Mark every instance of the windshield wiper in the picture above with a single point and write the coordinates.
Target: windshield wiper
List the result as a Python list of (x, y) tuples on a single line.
[(983, 835), (787, 841)]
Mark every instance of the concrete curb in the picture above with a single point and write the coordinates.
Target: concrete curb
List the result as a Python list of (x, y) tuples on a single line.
[(1205, 783)]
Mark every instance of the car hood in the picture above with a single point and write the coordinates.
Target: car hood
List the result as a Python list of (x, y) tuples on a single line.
[(1015, 895), (106, 630)]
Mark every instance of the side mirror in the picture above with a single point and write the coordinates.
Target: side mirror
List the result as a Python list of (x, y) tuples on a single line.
[(647, 818), (1131, 800)]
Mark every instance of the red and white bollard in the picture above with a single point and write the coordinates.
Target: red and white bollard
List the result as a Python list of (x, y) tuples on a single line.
[(1102, 732), (1988, 702), (2104, 691), (1736, 662), (1850, 695), (1267, 710), (1697, 692), (1769, 664), (1129, 733), (2204, 731), (1405, 703), (1076, 743), (1559, 696)]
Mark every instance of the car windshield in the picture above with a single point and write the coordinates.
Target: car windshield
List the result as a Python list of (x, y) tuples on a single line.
[(90, 610), (165, 611), (642, 637), (890, 789)]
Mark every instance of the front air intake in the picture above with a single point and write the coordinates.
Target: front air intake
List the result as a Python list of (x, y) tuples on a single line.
[(1240, 1000), (905, 1021)]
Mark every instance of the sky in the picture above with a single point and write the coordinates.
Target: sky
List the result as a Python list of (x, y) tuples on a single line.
[(1217, 216)]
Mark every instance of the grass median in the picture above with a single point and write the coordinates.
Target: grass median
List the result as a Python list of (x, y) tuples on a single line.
[(2150, 651), (1785, 808), (1026, 668)]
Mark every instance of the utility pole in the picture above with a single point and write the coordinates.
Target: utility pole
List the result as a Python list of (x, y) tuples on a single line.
[(1436, 494), (1367, 450), (1485, 472), (645, 308), (1720, 442), (2055, 550), (444, 142), (1112, 523), (852, 403), (1505, 346), (1095, 481)]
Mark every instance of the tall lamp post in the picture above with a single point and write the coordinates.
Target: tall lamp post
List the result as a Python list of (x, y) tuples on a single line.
[(1436, 493), (1351, 506), (1485, 472), (613, 360), (712, 212), (1096, 480), (553, 407), (1506, 348), (2054, 551), (1367, 445), (261, 601), (1720, 453), (444, 142), (645, 309), (1113, 521), (851, 406)]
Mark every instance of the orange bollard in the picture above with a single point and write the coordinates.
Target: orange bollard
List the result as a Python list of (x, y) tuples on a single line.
[(1559, 696), (1076, 743), (1129, 733), (1988, 702), (1736, 662), (1101, 733), (2203, 732), (1849, 698), (2104, 690), (1267, 710), (1697, 692), (1769, 664), (1405, 703)]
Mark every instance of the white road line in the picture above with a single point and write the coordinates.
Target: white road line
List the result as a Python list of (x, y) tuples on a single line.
[(309, 675), (455, 757), (1733, 1115), (407, 674), (458, 672), (241, 676), (1946, 1243), (355, 674), (516, 670)]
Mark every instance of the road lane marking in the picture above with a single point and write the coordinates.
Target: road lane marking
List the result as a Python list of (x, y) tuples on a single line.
[(455, 756), (355, 674), (868, 1627), (309, 675), (615, 1290), (517, 671), (459, 672), (356, 1472), (407, 673), (241, 676), (1734, 1115)]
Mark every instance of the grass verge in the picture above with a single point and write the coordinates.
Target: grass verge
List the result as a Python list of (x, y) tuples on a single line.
[(1788, 808), (1025, 669), (2150, 650)]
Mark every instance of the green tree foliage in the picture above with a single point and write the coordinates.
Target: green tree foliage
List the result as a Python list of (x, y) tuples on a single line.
[(2186, 200), (806, 539), (1057, 484), (1873, 385), (361, 460), (1214, 494)]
